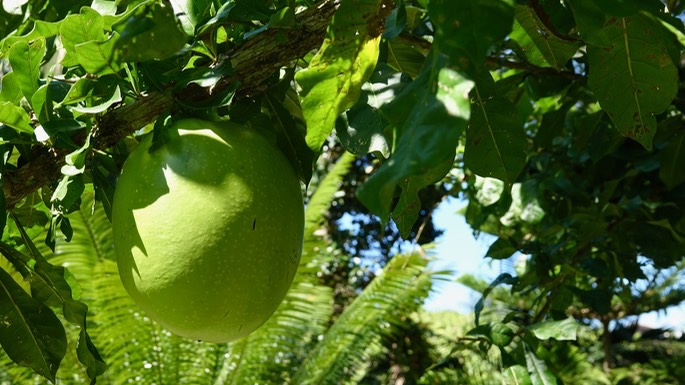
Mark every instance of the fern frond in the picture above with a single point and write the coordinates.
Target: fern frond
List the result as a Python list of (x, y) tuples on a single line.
[(398, 291)]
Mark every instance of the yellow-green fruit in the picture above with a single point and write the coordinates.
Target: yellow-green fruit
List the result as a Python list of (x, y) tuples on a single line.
[(208, 229)]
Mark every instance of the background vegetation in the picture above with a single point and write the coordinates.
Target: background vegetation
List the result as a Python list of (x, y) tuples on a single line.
[(560, 123)]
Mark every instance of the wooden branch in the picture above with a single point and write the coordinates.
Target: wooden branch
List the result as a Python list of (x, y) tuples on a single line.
[(252, 62)]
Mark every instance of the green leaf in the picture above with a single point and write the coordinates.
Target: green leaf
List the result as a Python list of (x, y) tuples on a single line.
[(590, 20), (362, 128), (15, 117), (102, 107), (26, 59), (496, 143), (56, 286), (672, 158), (96, 56), (518, 375), (404, 57), (10, 90), (501, 249), (237, 11), (429, 125), (538, 370), (78, 91), (332, 82), (524, 204), (289, 138), (30, 332), (564, 330), (152, 32), (629, 7), (41, 29), (467, 29), (502, 279), (497, 333), (77, 29), (190, 12), (539, 45), (635, 79)]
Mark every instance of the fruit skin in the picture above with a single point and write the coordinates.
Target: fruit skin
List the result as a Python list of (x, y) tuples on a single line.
[(208, 229)]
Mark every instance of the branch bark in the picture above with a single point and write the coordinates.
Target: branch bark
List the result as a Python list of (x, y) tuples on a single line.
[(252, 62)]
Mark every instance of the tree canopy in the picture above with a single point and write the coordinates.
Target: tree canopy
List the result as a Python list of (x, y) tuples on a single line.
[(560, 122)]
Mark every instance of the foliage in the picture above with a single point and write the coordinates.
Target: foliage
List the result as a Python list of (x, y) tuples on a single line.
[(296, 337), (565, 119)]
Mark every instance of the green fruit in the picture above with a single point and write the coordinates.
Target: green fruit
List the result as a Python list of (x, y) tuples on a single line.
[(208, 229)]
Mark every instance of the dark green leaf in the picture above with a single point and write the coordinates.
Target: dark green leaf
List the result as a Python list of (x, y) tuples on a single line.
[(497, 333), (235, 11), (30, 332), (467, 29), (396, 21), (538, 44), (635, 79), (628, 7), (496, 143), (590, 20), (152, 32), (290, 139), (502, 279), (404, 57), (56, 286), (672, 158), (501, 249)]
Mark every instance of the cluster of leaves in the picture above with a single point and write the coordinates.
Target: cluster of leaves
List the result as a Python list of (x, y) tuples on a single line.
[(565, 115)]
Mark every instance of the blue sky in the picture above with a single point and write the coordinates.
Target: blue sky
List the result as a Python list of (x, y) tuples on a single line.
[(457, 250)]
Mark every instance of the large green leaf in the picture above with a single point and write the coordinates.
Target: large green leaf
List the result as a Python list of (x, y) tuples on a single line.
[(96, 56), (332, 82), (54, 286), (540, 374), (590, 20), (635, 79), (191, 12), (26, 59), (77, 29), (538, 44), (467, 29), (30, 332), (496, 143), (15, 117), (559, 330), (152, 32)]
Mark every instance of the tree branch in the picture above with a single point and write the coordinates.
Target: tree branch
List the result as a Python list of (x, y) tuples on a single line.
[(252, 62)]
